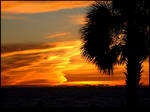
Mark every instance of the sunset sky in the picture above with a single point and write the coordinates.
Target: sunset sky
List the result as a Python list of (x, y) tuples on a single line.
[(40, 45)]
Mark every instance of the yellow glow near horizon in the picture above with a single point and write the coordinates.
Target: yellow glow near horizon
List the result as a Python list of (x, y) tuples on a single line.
[(94, 83)]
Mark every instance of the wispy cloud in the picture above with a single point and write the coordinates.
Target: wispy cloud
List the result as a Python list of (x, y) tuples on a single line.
[(58, 35)]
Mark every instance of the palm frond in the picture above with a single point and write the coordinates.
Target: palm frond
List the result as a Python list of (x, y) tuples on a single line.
[(97, 38)]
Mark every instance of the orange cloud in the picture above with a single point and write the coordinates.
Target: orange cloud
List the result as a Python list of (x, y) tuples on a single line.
[(23, 67), (30, 7), (56, 35)]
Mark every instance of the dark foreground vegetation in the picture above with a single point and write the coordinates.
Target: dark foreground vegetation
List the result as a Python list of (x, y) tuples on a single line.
[(100, 97)]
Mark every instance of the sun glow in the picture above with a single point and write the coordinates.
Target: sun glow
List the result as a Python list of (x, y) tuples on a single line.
[(94, 83)]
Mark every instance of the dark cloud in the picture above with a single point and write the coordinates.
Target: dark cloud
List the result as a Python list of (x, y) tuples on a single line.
[(33, 82), (93, 77), (18, 61), (20, 47)]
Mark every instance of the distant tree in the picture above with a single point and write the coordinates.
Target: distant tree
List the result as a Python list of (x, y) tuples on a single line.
[(116, 33)]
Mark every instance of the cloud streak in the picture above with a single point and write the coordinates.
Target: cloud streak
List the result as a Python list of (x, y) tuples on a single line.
[(31, 51), (57, 35)]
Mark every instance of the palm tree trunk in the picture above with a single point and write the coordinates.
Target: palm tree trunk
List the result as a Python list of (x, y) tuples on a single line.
[(133, 65), (132, 81)]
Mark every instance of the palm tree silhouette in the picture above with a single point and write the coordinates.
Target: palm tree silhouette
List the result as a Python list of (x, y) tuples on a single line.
[(115, 33)]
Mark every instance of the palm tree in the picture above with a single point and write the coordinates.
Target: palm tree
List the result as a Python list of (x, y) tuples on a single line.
[(137, 13), (113, 35)]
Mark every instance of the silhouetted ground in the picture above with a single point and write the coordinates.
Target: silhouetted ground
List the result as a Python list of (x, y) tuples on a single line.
[(68, 97)]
